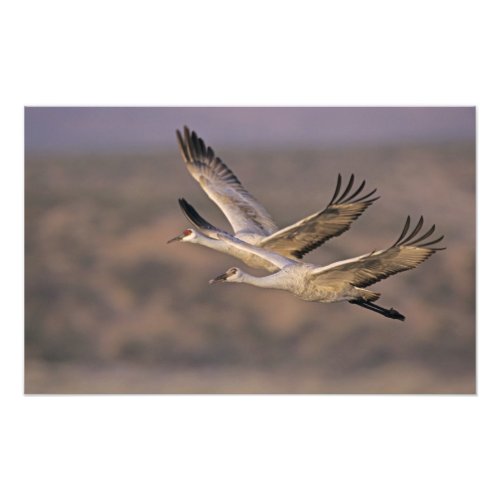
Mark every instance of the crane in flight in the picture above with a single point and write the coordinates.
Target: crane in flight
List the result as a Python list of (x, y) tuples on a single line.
[(341, 281)]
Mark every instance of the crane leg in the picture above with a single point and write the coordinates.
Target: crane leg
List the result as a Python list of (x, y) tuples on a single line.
[(388, 313)]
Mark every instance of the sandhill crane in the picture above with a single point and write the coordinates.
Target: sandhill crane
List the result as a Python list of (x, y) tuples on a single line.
[(250, 221), (344, 280)]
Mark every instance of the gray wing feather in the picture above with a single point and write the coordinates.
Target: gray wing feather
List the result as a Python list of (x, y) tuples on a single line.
[(367, 269), (243, 211), (311, 232)]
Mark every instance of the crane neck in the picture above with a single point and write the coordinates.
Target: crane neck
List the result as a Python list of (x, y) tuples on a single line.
[(270, 281), (219, 245)]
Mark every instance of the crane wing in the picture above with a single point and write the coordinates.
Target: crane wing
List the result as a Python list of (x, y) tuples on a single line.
[(243, 211), (311, 232), (367, 269)]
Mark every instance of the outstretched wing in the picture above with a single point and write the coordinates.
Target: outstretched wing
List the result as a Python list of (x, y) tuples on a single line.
[(311, 232), (367, 269), (243, 211)]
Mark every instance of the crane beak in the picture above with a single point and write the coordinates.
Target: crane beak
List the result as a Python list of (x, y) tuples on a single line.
[(177, 238), (218, 279)]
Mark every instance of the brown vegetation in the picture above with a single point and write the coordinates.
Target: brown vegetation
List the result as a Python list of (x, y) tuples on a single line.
[(110, 308)]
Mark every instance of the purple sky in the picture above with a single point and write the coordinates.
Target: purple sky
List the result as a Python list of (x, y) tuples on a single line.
[(127, 129)]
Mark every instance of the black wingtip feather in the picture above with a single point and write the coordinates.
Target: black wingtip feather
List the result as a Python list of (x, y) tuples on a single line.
[(347, 189), (345, 197), (194, 217), (360, 188), (372, 200), (426, 235), (366, 196), (337, 189), (403, 233), (412, 239), (433, 242), (419, 225)]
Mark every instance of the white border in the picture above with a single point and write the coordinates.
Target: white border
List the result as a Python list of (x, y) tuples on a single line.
[(223, 53)]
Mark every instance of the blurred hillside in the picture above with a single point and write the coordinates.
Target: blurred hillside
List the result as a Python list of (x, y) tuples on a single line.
[(110, 308)]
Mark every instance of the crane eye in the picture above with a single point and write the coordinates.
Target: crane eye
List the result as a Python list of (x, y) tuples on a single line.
[(187, 232)]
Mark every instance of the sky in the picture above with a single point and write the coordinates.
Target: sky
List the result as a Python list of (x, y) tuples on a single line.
[(102, 129)]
